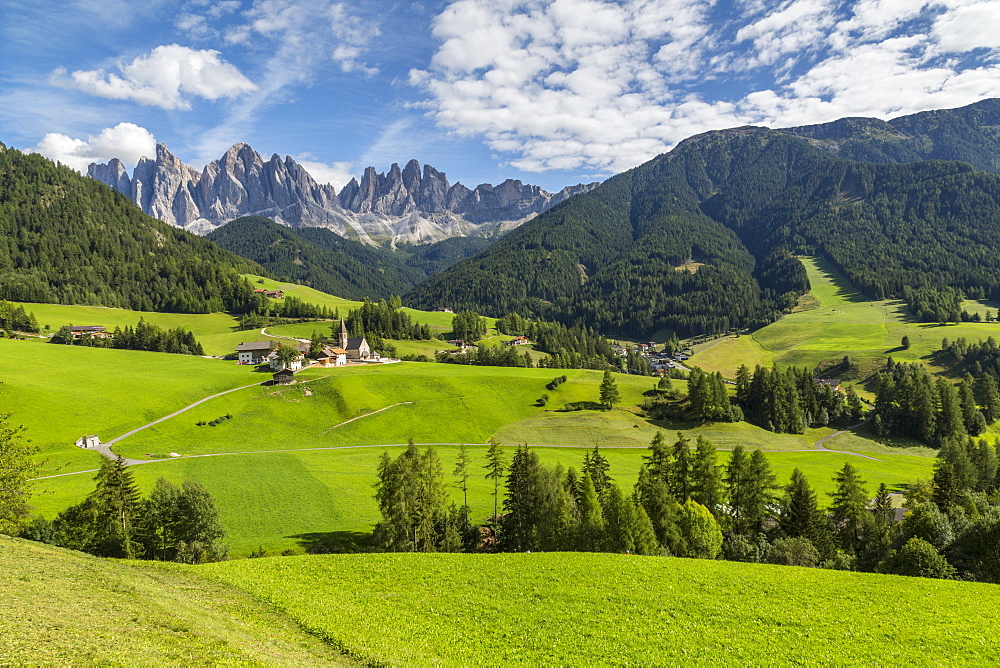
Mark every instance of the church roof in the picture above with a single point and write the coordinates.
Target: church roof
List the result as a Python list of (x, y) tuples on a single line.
[(355, 343)]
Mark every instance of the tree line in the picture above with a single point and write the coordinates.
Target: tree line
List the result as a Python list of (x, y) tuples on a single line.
[(17, 319), (144, 336), (909, 402), (686, 504)]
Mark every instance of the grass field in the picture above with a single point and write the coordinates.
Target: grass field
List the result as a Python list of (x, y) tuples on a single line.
[(67, 608), (843, 324), (283, 500), (583, 609), (63, 607), (293, 500)]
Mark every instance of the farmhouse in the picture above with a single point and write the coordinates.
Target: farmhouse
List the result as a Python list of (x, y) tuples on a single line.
[(294, 365), (91, 441), (96, 331), (829, 382), (444, 309), (275, 294), (357, 348), (332, 357), (253, 353), (283, 377), (518, 341)]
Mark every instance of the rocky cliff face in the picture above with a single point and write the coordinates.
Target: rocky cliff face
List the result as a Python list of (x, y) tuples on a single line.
[(411, 204)]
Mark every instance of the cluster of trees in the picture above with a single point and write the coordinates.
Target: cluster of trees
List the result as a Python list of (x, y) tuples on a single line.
[(90, 245), (980, 359), (17, 319), (708, 398), (266, 313), (384, 319), (172, 524), (790, 400), (145, 336), (468, 326), (935, 304), (909, 402), (412, 497), (488, 356)]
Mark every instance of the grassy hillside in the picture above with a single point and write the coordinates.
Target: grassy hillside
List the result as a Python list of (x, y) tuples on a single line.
[(578, 609), (289, 499), (843, 324), (62, 607), (64, 392), (67, 608)]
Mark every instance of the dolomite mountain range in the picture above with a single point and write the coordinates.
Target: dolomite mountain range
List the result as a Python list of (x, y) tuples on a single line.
[(411, 204)]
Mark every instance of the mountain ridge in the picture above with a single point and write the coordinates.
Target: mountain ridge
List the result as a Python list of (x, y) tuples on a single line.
[(414, 204)]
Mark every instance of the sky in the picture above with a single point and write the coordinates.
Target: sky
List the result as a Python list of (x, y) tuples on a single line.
[(553, 93)]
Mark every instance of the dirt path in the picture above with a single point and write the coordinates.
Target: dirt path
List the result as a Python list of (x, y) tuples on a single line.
[(341, 424)]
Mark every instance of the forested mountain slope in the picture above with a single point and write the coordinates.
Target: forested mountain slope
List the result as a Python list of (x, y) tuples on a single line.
[(700, 239), (68, 239), (324, 260), (970, 134)]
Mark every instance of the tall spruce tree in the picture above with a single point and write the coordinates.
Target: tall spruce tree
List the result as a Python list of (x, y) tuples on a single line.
[(798, 508), (496, 466), (609, 391), (849, 505), (706, 481)]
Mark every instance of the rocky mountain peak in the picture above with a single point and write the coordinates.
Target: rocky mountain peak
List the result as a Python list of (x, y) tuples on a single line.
[(414, 203)]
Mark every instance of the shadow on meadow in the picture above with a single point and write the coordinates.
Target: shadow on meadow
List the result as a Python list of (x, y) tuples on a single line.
[(334, 542)]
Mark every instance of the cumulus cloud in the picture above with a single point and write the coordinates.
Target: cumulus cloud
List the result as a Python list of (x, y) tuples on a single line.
[(166, 77), (126, 141), (606, 84)]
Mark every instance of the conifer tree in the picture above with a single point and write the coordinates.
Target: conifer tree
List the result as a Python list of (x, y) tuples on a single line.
[(597, 467), (706, 481), (882, 506), (609, 391), (758, 497), (798, 508), (116, 505), (590, 531), (496, 465), (461, 474), (987, 386), (850, 504), (681, 469), (736, 486)]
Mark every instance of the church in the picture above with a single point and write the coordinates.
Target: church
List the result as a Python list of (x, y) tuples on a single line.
[(357, 347)]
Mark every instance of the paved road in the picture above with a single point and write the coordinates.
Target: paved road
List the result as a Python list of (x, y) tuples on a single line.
[(105, 448)]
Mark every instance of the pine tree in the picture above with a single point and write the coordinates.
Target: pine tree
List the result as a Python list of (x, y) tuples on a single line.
[(706, 481), (758, 495), (850, 504), (609, 391), (680, 469), (798, 508), (597, 467), (496, 465), (461, 474), (116, 504), (590, 531), (882, 507), (657, 462), (736, 486)]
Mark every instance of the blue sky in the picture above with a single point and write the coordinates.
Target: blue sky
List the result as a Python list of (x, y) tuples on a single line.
[(553, 93)]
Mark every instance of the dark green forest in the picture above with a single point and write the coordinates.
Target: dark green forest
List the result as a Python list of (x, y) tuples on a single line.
[(324, 260), (66, 239), (702, 239)]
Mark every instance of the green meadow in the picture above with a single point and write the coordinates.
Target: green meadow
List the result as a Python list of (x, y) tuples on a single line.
[(64, 607), (320, 485), (61, 607), (586, 609), (841, 324)]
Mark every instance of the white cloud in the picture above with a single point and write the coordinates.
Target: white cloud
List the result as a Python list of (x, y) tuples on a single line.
[(126, 141), (165, 78), (337, 174), (306, 36), (605, 84)]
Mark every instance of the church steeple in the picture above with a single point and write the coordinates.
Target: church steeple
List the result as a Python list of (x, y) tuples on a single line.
[(343, 334)]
